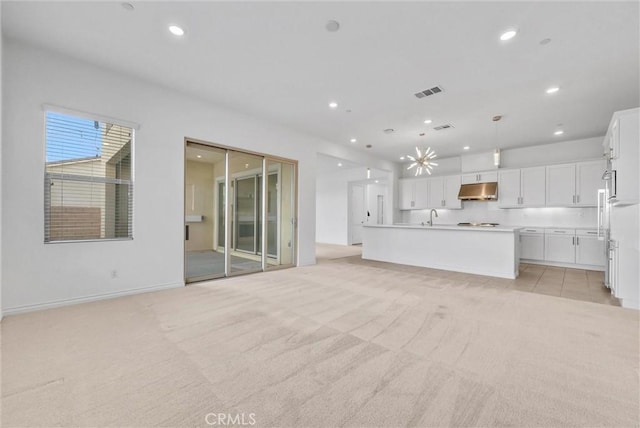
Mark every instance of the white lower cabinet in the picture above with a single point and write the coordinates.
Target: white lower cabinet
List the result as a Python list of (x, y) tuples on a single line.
[(571, 246), (532, 244), (559, 245), (589, 249)]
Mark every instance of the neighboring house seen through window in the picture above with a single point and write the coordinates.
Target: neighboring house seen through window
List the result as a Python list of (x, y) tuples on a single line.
[(88, 179)]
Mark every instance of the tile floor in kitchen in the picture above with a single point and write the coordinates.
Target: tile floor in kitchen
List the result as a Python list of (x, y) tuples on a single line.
[(576, 284)]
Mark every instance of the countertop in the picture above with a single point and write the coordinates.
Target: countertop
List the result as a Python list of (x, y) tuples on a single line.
[(447, 227)]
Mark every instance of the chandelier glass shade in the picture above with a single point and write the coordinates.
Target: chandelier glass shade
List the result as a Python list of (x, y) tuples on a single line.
[(423, 162)]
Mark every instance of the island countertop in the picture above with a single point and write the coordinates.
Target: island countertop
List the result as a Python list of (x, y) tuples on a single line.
[(498, 228), (481, 250)]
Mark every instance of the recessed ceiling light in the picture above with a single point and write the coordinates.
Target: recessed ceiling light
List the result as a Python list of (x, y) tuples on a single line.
[(507, 35), (353, 140), (332, 26), (176, 31), (428, 121), (333, 104), (401, 157), (376, 181), (388, 130), (558, 132), (199, 156), (466, 148), (339, 163), (552, 90), (127, 6)]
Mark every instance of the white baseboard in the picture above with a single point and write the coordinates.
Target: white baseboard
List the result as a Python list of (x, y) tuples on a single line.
[(85, 299), (631, 304), (564, 265)]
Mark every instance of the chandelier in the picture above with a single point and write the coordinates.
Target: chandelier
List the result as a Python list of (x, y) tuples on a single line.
[(423, 162)]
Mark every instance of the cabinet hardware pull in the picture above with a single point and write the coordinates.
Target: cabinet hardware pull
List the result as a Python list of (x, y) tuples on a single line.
[(574, 199), (578, 198), (574, 240), (577, 240)]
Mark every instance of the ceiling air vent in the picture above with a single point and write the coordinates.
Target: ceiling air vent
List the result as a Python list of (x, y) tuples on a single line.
[(441, 127), (428, 92)]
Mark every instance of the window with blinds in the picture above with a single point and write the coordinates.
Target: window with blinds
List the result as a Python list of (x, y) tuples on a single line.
[(88, 189)]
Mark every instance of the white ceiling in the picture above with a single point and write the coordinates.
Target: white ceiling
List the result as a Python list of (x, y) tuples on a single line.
[(277, 61)]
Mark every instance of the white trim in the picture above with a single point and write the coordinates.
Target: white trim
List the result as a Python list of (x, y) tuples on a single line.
[(96, 297), (630, 303), (90, 116), (563, 265)]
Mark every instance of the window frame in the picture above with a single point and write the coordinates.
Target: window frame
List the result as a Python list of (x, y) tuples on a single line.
[(46, 179)]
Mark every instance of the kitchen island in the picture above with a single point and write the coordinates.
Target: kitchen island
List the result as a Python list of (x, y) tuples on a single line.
[(492, 251)]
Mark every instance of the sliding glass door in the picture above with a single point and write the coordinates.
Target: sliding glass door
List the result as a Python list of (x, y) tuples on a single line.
[(247, 225), (246, 212), (205, 171), (281, 218)]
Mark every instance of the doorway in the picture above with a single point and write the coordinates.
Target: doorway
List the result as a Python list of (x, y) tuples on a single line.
[(233, 229)]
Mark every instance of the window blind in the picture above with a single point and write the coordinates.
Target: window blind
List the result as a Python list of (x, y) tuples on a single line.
[(88, 179)]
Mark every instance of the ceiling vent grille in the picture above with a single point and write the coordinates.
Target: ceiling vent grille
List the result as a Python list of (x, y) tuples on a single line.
[(427, 92), (441, 127)]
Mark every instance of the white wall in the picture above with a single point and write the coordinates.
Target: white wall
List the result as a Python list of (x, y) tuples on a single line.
[(332, 202), (38, 275)]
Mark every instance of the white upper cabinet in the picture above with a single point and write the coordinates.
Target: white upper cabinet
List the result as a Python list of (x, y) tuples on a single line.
[(623, 141), (480, 177), (574, 185), (451, 189), (561, 185), (436, 192), (509, 188), (520, 188), (588, 181), (414, 194), (405, 190), (532, 184), (421, 194), (443, 192)]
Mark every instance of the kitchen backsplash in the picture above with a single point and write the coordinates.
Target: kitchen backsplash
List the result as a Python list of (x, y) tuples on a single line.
[(481, 211)]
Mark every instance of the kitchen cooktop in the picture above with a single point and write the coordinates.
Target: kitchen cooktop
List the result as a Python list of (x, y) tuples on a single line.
[(479, 224)]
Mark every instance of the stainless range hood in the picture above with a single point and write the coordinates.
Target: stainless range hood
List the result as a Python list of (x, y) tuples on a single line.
[(479, 192)]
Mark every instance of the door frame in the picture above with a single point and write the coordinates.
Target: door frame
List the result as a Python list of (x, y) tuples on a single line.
[(350, 208), (266, 158)]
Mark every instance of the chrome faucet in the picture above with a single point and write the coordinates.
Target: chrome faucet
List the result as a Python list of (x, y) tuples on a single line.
[(431, 216)]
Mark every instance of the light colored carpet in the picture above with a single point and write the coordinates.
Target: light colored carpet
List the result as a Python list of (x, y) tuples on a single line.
[(334, 344), (332, 251)]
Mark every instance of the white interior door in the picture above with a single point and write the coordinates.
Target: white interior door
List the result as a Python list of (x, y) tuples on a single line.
[(358, 213)]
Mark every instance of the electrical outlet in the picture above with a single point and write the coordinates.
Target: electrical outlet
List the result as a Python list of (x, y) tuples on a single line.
[(114, 274)]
